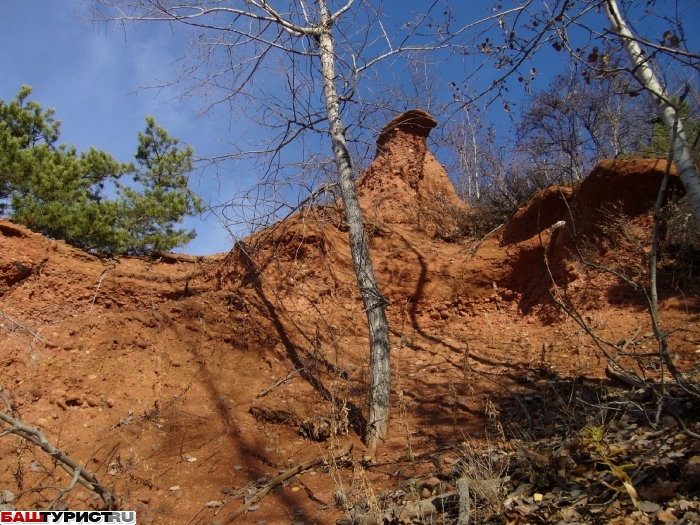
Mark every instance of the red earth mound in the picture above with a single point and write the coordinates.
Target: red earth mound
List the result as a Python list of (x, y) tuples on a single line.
[(184, 381)]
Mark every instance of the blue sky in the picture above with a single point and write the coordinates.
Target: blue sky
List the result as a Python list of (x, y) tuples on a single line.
[(96, 78)]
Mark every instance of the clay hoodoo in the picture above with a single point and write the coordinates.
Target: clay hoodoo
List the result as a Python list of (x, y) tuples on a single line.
[(405, 184)]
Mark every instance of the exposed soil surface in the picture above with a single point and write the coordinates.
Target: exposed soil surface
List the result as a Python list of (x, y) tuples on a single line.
[(185, 381)]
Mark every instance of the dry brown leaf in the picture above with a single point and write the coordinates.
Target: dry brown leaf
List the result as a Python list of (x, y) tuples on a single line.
[(665, 515)]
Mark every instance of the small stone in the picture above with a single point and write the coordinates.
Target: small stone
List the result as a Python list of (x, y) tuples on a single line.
[(142, 344), (435, 316), (93, 401), (425, 493), (237, 467), (42, 422), (110, 403), (431, 483), (213, 504), (74, 400), (134, 430), (56, 395), (143, 498), (36, 392)]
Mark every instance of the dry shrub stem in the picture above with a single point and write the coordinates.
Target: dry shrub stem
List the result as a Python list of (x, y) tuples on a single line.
[(72, 467), (280, 479), (22, 327)]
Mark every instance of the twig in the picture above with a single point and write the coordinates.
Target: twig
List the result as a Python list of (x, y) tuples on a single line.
[(22, 327), (62, 492), (475, 246), (276, 384), (280, 479), (94, 297), (6, 401), (681, 423)]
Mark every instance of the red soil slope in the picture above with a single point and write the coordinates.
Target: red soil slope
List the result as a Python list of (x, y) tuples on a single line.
[(157, 374)]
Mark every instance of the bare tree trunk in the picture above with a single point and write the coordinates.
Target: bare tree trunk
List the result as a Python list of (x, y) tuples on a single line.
[(681, 154), (374, 302)]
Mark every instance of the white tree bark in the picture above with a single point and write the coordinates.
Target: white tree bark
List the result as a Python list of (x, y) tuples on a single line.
[(681, 154), (374, 303)]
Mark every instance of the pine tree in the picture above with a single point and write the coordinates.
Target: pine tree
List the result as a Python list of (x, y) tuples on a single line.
[(150, 215), (660, 141), (56, 191)]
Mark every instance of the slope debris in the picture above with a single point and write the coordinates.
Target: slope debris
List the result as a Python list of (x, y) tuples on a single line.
[(187, 384)]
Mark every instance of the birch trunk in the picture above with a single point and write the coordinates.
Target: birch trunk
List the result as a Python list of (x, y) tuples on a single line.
[(374, 302), (681, 154)]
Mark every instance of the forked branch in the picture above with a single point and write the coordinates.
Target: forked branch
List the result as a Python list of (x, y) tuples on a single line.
[(72, 467)]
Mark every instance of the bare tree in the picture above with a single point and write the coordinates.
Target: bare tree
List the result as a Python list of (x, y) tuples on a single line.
[(312, 49), (517, 35), (668, 113), (464, 139), (578, 121)]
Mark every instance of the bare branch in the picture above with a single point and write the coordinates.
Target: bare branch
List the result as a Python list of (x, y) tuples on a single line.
[(72, 467)]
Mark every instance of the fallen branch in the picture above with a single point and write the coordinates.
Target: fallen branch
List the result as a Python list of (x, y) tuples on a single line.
[(624, 377), (276, 384), (281, 479), (475, 246), (72, 467)]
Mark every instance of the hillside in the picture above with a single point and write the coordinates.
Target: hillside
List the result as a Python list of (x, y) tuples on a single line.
[(185, 380)]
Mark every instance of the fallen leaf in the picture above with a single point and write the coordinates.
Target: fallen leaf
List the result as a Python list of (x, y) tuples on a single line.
[(665, 515), (569, 515), (522, 509), (649, 506), (684, 504)]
